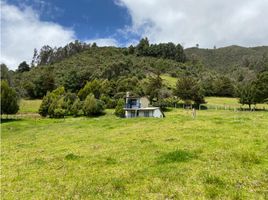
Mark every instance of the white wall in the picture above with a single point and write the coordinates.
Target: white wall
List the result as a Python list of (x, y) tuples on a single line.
[(158, 113), (152, 113)]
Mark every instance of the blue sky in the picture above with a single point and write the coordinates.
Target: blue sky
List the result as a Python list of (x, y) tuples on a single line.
[(89, 19), (29, 24)]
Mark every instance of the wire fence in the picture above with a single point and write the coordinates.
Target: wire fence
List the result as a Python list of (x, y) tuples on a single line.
[(233, 107)]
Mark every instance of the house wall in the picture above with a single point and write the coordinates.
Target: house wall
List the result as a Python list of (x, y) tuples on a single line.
[(158, 113), (144, 113), (144, 102)]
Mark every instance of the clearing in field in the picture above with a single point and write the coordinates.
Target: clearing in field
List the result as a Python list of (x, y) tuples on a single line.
[(220, 154)]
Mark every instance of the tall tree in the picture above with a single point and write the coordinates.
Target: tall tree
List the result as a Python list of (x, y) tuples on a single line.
[(5, 75), (23, 67), (153, 88), (247, 94), (143, 47), (189, 90), (92, 87), (262, 87), (9, 99)]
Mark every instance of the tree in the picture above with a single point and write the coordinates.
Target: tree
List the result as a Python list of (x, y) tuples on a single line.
[(93, 87), (247, 94), (23, 67), (9, 99), (5, 75), (153, 88), (261, 86), (224, 87), (43, 83), (76, 109), (180, 55), (94, 45), (188, 90), (72, 81), (92, 106), (119, 109), (49, 99), (45, 55), (57, 108), (143, 47), (34, 59), (131, 49)]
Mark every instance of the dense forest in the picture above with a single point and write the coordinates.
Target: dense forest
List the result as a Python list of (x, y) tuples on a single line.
[(108, 72)]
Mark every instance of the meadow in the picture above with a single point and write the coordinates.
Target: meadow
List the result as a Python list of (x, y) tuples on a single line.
[(221, 154)]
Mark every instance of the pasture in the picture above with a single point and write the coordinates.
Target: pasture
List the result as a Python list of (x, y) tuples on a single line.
[(221, 154)]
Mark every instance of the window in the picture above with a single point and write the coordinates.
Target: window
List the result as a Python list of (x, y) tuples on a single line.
[(133, 114), (146, 113)]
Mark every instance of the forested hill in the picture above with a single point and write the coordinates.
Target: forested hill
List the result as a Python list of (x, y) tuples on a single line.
[(226, 58), (218, 71)]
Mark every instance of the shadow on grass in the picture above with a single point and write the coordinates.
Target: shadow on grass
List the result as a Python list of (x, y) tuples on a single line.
[(177, 156), (248, 158), (118, 184), (72, 156), (9, 120)]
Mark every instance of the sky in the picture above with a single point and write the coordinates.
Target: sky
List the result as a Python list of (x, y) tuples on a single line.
[(29, 24)]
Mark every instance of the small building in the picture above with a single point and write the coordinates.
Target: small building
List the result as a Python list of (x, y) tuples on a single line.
[(139, 107)]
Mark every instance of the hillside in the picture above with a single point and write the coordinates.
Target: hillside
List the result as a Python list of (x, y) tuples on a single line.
[(218, 71), (224, 59)]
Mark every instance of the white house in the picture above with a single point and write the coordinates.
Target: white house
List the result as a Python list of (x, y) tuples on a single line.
[(139, 107)]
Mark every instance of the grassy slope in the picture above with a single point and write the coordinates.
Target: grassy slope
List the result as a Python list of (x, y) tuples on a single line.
[(226, 57), (29, 106), (226, 101), (220, 154), (169, 81)]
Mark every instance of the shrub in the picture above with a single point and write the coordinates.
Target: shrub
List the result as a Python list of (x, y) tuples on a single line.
[(57, 108), (9, 99), (119, 109), (76, 109), (93, 87), (109, 102), (92, 106), (48, 99), (59, 113), (69, 99)]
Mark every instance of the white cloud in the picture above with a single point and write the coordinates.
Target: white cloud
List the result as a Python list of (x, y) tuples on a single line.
[(22, 31), (207, 22), (102, 42)]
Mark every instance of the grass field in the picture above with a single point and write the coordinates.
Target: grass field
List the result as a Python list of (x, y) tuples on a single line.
[(29, 106), (169, 81), (213, 102), (219, 155)]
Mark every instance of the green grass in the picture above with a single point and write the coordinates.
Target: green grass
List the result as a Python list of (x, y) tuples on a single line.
[(29, 106), (169, 81), (219, 155), (229, 102)]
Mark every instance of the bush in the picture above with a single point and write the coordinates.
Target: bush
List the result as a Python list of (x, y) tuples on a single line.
[(76, 109), (57, 108), (109, 102), (59, 113), (119, 109), (93, 87), (92, 106), (48, 100), (9, 99)]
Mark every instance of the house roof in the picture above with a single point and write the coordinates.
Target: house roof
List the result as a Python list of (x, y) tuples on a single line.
[(133, 97), (148, 108)]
